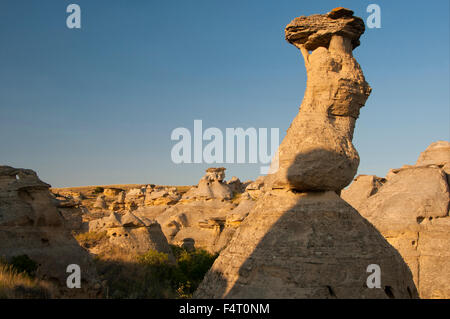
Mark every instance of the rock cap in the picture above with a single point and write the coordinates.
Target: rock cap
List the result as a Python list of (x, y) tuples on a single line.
[(316, 30)]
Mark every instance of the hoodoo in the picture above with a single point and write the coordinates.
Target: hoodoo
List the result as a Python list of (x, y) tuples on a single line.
[(301, 240)]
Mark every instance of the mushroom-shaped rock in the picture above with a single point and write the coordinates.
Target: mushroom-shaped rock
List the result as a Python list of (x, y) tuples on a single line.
[(317, 30), (317, 153), (300, 238), (211, 186)]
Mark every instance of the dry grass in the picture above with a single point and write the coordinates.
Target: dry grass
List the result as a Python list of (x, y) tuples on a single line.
[(14, 285), (90, 239)]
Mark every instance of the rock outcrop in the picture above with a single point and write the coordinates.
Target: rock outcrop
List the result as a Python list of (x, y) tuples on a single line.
[(301, 240), (411, 210), (211, 186), (30, 224), (317, 152), (361, 189), (129, 233), (207, 215), (100, 202), (305, 245), (256, 188)]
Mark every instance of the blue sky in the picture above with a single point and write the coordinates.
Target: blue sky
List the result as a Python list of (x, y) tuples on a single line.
[(97, 105)]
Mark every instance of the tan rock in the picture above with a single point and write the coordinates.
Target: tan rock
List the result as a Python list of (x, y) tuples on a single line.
[(132, 234), (411, 211), (30, 224), (317, 30), (112, 192), (162, 196), (211, 186), (317, 152), (100, 202), (235, 185), (256, 188), (200, 221), (301, 240), (361, 189), (305, 245), (438, 153), (121, 197)]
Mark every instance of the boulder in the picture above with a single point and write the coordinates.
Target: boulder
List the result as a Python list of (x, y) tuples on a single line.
[(412, 211), (235, 185), (363, 187), (134, 198), (256, 189), (438, 153)]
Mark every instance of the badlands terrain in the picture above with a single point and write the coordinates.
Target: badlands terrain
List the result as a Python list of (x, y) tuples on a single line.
[(308, 229)]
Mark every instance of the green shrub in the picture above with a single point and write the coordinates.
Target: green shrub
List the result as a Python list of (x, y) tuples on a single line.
[(154, 258), (24, 264), (154, 275), (192, 266), (98, 190)]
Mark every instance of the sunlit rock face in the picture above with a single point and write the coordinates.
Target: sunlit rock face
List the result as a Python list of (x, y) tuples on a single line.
[(30, 224), (301, 240), (411, 210), (317, 152)]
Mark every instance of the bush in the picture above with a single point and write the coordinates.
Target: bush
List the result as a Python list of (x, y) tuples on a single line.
[(153, 274), (19, 285), (154, 258), (24, 264), (98, 190), (192, 266)]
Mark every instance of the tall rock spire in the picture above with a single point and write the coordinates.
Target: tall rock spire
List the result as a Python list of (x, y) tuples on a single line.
[(301, 240), (317, 152)]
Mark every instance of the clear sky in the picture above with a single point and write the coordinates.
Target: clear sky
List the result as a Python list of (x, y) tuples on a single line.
[(98, 105)]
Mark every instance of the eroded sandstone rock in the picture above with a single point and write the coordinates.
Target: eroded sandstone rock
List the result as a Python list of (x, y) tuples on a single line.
[(206, 216), (305, 245), (361, 189), (411, 210), (211, 186), (133, 235), (317, 30), (301, 240), (317, 152), (30, 224)]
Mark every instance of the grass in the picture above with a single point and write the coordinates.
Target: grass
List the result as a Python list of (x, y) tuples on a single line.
[(90, 239), (153, 275), (20, 285)]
